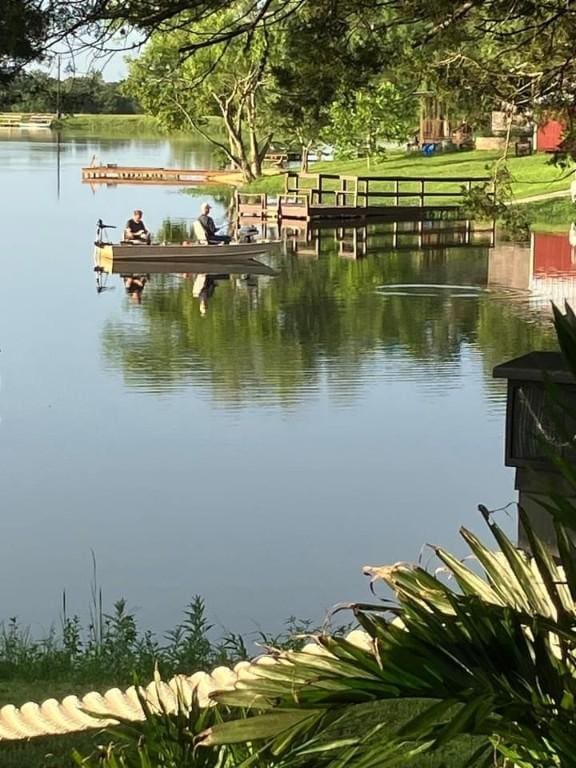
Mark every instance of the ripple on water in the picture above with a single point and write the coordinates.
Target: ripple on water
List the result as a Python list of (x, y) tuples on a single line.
[(431, 289)]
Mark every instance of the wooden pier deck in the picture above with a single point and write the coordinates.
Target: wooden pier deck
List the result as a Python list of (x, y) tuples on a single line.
[(120, 174), (334, 196)]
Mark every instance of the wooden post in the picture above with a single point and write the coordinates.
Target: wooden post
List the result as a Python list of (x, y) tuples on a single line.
[(422, 183), (288, 188), (397, 191)]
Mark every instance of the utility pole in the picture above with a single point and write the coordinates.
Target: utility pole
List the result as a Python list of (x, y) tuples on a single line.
[(58, 109)]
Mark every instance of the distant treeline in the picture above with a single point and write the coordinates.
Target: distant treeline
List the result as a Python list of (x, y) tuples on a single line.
[(37, 91)]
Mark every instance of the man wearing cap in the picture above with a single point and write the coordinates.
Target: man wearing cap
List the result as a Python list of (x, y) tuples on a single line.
[(209, 227)]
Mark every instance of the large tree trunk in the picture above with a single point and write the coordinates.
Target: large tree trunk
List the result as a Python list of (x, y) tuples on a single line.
[(233, 123)]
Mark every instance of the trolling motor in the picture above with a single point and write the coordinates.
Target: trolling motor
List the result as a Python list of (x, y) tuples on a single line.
[(101, 232)]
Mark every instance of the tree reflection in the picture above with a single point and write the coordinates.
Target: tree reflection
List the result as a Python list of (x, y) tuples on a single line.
[(316, 320)]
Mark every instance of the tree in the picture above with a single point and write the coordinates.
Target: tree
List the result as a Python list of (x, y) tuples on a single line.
[(482, 51), (313, 66), (366, 118), (36, 91), (24, 26), (227, 79)]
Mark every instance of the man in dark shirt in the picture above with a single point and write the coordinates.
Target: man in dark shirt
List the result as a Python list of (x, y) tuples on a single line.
[(210, 228), (135, 230)]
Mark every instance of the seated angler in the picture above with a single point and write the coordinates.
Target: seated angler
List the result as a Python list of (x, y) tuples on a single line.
[(135, 231), (210, 228)]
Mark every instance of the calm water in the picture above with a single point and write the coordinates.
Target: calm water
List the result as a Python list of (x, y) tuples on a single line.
[(257, 454)]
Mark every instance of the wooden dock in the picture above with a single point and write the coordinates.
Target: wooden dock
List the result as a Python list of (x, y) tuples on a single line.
[(335, 196), (120, 174), (27, 120)]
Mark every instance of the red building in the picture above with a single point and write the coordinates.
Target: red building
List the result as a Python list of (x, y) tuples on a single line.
[(549, 136)]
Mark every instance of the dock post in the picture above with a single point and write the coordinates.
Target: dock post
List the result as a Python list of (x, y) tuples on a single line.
[(422, 183), (397, 192)]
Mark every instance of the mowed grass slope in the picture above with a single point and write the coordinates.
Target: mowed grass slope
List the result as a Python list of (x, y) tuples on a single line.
[(533, 175)]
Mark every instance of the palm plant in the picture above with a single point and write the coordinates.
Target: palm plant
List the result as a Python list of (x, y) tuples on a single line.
[(491, 651)]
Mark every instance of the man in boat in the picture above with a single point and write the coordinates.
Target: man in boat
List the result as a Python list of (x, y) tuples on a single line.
[(135, 230), (210, 228)]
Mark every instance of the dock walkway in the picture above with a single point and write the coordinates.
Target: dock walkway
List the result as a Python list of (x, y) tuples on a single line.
[(120, 174), (337, 196)]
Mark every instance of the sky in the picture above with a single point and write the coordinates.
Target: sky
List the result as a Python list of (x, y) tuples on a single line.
[(112, 65)]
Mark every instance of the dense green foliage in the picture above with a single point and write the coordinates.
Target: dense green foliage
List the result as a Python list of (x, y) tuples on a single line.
[(24, 27), (361, 122), (36, 91)]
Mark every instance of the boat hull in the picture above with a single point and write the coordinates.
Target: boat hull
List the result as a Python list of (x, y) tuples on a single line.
[(128, 252)]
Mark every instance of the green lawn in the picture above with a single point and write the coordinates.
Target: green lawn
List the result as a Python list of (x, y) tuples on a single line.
[(533, 175), (549, 215)]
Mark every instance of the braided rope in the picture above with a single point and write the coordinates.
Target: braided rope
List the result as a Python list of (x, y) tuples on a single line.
[(70, 715)]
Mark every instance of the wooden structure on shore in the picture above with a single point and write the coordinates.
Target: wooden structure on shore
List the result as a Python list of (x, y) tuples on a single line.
[(335, 196), (120, 174), (30, 121)]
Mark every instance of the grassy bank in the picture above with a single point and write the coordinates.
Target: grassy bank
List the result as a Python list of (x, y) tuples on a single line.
[(112, 649), (113, 125), (533, 175), (126, 126), (549, 215)]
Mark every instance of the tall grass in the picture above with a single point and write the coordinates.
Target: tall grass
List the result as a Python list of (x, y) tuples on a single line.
[(111, 649)]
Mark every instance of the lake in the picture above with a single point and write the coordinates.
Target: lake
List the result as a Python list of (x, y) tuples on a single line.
[(258, 448)]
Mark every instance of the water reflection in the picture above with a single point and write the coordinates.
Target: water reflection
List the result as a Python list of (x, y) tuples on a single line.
[(327, 321), (539, 273), (357, 239)]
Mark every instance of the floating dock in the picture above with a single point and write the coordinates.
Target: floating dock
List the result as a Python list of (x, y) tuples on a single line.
[(121, 174), (331, 196)]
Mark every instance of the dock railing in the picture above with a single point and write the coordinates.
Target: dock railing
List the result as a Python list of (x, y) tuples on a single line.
[(363, 191), (330, 195)]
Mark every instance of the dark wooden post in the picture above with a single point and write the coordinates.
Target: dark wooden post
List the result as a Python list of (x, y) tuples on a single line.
[(422, 183), (397, 191), (537, 422)]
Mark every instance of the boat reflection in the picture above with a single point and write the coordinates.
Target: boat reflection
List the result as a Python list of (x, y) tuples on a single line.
[(202, 272)]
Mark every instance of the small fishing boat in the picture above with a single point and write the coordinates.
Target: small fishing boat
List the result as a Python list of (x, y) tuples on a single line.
[(133, 251)]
